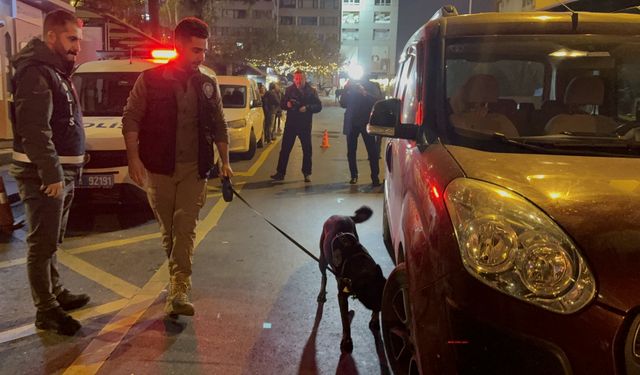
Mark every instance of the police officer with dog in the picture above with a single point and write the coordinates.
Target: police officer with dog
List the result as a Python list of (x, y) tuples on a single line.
[(172, 118)]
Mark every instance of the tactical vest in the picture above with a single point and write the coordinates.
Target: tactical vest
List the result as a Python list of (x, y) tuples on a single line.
[(157, 133)]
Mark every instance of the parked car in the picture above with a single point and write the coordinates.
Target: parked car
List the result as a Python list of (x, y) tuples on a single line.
[(103, 87), (512, 196), (243, 112)]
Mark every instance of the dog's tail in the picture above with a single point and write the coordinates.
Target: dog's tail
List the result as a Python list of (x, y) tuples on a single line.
[(362, 214)]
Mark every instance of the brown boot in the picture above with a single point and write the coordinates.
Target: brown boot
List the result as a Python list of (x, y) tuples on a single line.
[(180, 303), (168, 305)]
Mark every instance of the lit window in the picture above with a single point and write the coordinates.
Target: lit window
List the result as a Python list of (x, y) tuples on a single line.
[(381, 34), (350, 18), (382, 17)]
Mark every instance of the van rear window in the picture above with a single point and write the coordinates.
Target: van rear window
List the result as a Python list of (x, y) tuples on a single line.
[(104, 94)]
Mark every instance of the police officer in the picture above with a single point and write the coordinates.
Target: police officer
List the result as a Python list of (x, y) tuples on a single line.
[(48, 154), (172, 118)]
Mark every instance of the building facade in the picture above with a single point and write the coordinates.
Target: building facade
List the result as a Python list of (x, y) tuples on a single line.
[(369, 31), (19, 22)]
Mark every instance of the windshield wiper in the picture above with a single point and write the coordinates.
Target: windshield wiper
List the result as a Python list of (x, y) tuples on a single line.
[(566, 146)]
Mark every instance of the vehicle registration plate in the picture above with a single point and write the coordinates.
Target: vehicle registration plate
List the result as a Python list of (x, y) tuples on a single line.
[(97, 181)]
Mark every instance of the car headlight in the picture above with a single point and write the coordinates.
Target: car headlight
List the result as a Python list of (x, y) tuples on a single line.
[(509, 244), (237, 124)]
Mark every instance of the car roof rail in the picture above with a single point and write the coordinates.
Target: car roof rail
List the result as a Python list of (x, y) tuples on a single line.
[(445, 11)]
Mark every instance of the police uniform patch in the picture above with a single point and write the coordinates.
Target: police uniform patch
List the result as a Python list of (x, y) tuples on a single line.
[(208, 89)]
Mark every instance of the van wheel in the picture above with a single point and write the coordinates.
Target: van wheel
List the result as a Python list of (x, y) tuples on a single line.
[(396, 324), (386, 231), (261, 141), (253, 144)]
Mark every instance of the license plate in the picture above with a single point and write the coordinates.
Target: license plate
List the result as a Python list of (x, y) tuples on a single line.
[(97, 181)]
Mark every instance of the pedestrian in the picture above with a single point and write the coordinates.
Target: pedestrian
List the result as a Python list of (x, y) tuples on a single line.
[(300, 101), (172, 118), (271, 102), (48, 154), (358, 98)]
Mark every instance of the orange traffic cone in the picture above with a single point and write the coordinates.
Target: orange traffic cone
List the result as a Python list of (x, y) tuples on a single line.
[(325, 139), (6, 215)]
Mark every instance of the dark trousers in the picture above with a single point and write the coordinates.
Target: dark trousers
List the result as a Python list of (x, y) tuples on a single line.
[(269, 125), (47, 218), (373, 152), (291, 131)]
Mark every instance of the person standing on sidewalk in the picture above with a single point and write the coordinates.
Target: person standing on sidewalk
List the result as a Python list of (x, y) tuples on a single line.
[(172, 118), (271, 105), (48, 154), (301, 101), (358, 98)]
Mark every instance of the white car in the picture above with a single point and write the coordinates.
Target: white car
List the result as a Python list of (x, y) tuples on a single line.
[(103, 87), (243, 112)]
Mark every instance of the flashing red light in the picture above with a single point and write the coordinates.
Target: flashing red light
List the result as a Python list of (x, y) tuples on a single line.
[(164, 54)]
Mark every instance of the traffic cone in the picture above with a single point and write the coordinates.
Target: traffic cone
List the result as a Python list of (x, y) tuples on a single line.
[(325, 139), (6, 215)]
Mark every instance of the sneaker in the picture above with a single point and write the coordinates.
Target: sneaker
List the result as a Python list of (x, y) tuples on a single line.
[(353, 181), (307, 178), (277, 177), (70, 301), (56, 319)]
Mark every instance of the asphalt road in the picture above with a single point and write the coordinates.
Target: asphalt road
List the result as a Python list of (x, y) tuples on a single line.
[(254, 291)]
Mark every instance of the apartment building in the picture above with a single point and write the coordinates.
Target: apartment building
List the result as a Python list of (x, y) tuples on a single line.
[(235, 18), (368, 35)]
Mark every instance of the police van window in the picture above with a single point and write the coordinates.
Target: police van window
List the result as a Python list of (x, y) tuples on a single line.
[(409, 99), (104, 94), (233, 96)]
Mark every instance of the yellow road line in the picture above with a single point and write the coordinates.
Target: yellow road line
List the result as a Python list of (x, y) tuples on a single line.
[(88, 270), (89, 248), (84, 314), (13, 262), (113, 243), (263, 157), (100, 348)]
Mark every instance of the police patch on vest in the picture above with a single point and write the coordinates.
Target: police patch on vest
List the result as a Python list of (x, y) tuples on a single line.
[(208, 89)]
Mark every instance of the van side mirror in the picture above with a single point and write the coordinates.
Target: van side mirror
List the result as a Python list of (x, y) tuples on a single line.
[(385, 121)]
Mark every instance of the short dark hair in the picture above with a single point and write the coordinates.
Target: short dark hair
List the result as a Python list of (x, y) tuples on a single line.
[(192, 26), (299, 71), (57, 20)]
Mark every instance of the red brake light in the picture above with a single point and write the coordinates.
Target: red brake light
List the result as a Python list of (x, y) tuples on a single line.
[(164, 54)]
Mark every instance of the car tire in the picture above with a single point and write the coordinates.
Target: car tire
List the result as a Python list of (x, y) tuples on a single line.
[(396, 323), (386, 230), (253, 145), (260, 143)]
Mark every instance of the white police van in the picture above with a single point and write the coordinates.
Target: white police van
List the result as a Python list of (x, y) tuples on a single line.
[(103, 87)]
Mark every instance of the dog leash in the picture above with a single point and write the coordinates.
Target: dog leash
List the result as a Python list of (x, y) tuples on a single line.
[(272, 224)]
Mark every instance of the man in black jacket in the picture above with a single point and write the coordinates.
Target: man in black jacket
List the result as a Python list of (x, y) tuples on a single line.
[(172, 118), (48, 154), (301, 101), (358, 98)]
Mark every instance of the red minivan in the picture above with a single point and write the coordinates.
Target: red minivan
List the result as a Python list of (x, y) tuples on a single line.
[(512, 196)]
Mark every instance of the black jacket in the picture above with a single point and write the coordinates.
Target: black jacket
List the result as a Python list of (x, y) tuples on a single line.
[(157, 136), (358, 98), (307, 97), (45, 113)]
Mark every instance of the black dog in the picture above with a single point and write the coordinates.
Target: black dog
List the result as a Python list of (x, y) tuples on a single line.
[(357, 274)]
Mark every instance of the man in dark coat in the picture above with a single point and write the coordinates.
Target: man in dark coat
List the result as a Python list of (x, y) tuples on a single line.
[(301, 101), (358, 98), (48, 154)]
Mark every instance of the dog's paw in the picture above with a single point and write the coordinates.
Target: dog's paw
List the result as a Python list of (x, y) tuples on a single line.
[(346, 345), (322, 297)]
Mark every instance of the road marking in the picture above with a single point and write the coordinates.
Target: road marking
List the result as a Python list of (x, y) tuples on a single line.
[(84, 314), (263, 157), (13, 262), (100, 348), (114, 243), (88, 270)]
